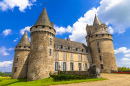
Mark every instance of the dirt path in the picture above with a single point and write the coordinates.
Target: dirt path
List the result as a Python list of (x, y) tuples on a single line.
[(114, 80)]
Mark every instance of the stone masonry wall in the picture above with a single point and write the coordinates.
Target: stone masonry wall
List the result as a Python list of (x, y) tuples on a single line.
[(20, 61), (40, 62)]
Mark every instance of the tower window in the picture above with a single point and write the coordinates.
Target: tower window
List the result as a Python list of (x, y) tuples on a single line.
[(99, 51), (16, 60), (50, 41), (49, 27), (100, 58), (15, 69), (101, 66), (50, 51), (36, 26), (43, 26), (24, 46), (97, 43), (71, 66), (95, 29)]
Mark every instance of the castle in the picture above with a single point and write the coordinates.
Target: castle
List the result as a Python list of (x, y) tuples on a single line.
[(47, 54)]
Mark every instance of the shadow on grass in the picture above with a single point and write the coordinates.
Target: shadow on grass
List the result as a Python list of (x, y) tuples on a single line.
[(18, 80)]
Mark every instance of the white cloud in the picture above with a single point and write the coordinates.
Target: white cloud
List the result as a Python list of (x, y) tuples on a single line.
[(24, 29), (11, 4), (116, 13), (6, 66), (78, 29), (122, 50), (10, 49), (125, 62), (127, 55), (3, 51), (112, 12), (61, 30), (16, 39), (110, 30), (7, 32)]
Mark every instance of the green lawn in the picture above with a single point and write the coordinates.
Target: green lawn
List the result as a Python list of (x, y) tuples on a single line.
[(7, 81)]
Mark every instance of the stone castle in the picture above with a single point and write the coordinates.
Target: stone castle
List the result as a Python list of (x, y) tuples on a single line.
[(47, 54)]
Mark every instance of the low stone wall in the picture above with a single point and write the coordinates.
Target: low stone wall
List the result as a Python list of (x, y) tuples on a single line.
[(79, 73)]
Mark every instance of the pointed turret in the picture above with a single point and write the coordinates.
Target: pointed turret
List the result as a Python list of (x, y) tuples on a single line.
[(97, 21), (43, 19), (24, 40)]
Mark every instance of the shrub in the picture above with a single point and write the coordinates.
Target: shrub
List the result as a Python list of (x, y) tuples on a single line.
[(61, 77), (124, 69)]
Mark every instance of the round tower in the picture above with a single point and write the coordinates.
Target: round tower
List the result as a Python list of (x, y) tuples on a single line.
[(100, 43), (19, 69), (41, 60)]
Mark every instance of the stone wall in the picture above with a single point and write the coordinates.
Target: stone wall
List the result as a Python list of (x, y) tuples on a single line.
[(105, 41), (40, 62), (21, 62)]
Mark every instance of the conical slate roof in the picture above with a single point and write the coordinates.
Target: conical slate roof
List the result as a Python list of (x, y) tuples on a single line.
[(97, 21), (43, 19), (24, 40)]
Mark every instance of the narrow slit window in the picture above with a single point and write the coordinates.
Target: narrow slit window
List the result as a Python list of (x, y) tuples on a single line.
[(50, 52)]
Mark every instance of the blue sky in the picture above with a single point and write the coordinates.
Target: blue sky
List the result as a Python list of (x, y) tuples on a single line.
[(70, 18)]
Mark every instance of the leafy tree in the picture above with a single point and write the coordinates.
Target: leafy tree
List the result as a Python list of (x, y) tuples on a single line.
[(1, 73)]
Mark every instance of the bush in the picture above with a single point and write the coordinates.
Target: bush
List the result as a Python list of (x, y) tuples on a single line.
[(61, 77), (124, 69)]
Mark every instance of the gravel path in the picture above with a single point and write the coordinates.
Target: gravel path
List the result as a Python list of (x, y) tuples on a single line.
[(114, 80)]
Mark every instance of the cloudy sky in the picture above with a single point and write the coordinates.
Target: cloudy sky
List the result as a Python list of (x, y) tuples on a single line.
[(70, 18)]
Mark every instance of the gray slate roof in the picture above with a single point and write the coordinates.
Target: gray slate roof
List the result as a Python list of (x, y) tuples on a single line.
[(97, 21), (72, 44), (43, 19), (24, 40)]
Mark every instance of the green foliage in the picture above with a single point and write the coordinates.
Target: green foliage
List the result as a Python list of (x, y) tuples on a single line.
[(123, 69), (1, 73), (7, 81), (61, 77)]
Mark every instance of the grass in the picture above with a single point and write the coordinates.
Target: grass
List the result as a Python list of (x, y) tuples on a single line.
[(7, 81)]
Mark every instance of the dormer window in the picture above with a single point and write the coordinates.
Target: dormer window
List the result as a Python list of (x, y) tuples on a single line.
[(82, 50), (63, 47), (49, 27), (56, 46)]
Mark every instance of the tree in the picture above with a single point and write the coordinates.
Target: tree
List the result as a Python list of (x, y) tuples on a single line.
[(1, 73)]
